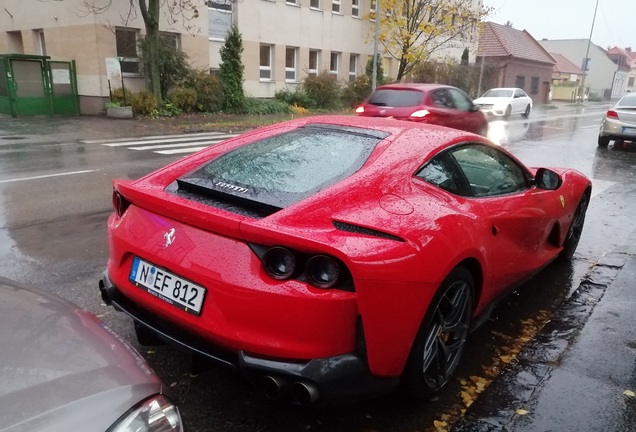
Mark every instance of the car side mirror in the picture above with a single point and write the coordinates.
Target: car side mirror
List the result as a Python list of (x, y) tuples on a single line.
[(547, 179), (474, 108)]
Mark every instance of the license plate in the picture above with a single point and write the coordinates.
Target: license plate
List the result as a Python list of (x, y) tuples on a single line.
[(167, 286), (629, 130)]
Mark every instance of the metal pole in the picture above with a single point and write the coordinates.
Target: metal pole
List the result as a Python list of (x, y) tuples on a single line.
[(481, 74), (587, 53), (374, 79)]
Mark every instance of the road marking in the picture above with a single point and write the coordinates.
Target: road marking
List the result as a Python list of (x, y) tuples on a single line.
[(166, 144), (599, 186), (48, 176), (182, 135), (178, 151)]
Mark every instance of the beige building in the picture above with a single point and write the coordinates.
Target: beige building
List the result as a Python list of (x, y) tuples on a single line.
[(66, 30), (284, 40)]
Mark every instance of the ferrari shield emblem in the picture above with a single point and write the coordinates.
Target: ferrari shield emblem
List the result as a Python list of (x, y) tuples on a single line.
[(562, 201)]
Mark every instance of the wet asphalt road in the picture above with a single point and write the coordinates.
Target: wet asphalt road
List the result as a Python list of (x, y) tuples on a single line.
[(52, 234)]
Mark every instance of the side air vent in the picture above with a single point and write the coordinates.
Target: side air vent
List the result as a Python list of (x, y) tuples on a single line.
[(342, 226)]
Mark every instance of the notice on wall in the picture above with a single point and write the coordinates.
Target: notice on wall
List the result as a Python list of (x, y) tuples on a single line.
[(113, 69), (61, 76), (219, 23)]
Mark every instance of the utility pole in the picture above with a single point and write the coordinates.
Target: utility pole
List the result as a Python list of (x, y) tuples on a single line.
[(374, 79), (586, 60)]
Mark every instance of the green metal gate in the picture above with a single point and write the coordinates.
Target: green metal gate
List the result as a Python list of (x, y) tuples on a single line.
[(35, 85)]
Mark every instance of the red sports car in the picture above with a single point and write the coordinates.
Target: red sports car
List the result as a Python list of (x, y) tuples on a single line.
[(426, 103), (331, 257)]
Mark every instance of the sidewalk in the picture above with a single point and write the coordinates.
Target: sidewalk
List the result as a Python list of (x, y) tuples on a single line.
[(579, 373)]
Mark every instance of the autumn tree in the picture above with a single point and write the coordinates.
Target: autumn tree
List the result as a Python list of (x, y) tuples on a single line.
[(412, 30), (151, 11)]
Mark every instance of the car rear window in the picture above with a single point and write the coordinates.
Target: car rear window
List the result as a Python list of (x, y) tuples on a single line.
[(628, 101), (498, 93), (279, 171), (397, 97)]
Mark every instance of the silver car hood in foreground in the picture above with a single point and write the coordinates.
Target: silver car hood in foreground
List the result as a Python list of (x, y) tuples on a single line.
[(61, 369)]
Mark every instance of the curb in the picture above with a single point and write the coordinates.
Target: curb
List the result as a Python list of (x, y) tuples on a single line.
[(496, 409)]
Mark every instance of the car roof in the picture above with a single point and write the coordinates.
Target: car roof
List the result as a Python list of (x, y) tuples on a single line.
[(414, 86), (505, 88), (429, 136)]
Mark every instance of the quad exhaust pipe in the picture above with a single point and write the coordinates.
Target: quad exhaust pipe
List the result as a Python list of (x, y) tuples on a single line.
[(304, 394), (273, 387), (277, 388)]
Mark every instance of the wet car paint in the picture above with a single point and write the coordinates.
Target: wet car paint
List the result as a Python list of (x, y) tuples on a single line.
[(67, 239)]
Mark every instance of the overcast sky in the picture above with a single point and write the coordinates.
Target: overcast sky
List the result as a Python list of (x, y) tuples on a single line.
[(615, 23)]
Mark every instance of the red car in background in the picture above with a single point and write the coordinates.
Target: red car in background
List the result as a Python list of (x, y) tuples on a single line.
[(330, 258), (426, 103)]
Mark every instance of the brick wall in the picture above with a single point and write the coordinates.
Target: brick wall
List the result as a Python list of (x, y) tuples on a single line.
[(532, 77)]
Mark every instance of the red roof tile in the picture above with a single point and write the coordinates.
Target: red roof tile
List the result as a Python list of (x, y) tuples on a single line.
[(496, 40), (617, 50), (565, 66)]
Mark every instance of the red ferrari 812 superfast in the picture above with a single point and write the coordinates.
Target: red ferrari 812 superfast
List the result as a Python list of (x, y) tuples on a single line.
[(331, 258)]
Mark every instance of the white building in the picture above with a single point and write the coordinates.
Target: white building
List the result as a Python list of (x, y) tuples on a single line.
[(603, 78)]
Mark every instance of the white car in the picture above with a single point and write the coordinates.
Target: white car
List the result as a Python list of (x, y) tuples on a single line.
[(503, 102)]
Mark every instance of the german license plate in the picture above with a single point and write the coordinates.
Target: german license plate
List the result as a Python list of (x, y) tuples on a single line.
[(167, 286), (629, 131)]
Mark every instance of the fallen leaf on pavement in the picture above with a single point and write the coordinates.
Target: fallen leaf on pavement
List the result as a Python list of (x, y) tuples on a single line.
[(522, 411), (629, 393)]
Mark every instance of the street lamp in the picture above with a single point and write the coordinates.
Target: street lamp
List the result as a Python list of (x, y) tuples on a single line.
[(586, 60)]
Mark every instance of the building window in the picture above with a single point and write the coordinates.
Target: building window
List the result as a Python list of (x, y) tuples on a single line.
[(335, 6), (520, 81), (173, 39), (630, 82), (355, 8), (372, 10), (314, 62), (386, 66), (353, 67), (333, 63), (292, 2), (290, 64), (534, 85), (221, 4), (314, 4), (266, 63), (126, 42), (39, 34)]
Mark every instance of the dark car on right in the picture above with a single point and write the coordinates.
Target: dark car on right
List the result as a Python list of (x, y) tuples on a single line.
[(426, 103)]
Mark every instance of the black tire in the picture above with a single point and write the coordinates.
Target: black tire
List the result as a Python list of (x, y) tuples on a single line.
[(576, 228), (526, 114), (441, 338), (508, 111), (603, 141)]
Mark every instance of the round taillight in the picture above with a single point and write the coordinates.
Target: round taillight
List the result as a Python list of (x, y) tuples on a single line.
[(322, 271), (279, 263)]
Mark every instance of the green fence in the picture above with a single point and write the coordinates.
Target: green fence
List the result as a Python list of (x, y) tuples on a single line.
[(33, 85)]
